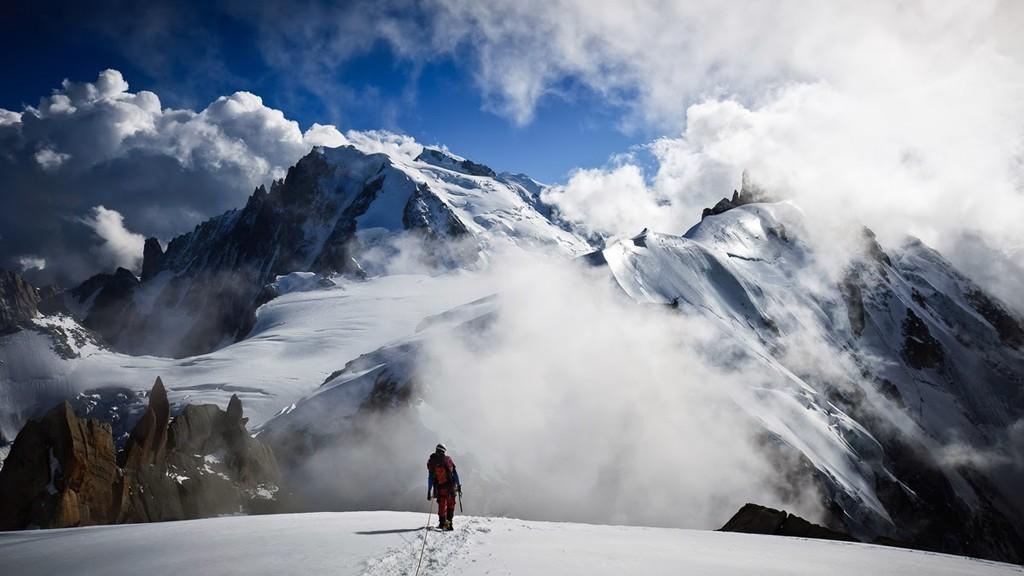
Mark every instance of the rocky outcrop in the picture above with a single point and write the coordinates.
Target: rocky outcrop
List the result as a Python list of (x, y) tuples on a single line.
[(147, 442), (18, 301), (65, 471), (452, 162), (1009, 328), (59, 473), (152, 254), (111, 305), (852, 295), (920, 349), (755, 519), (747, 194)]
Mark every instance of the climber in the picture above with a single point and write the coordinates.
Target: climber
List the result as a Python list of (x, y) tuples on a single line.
[(443, 482)]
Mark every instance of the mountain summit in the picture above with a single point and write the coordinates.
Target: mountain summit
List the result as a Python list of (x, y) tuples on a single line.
[(338, 211)]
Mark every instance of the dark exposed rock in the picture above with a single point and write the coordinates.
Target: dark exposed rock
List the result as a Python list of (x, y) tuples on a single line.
[(63, 470), (440, 158), (59, 473), (854, 298), (112, 307), (1009, 328), (755, 519), (747, 194), (920, 349), (147, 442), (152, 253), (336, 254), (875, 251), (428, 217), (919, 497), (18, 301), (51, 301)]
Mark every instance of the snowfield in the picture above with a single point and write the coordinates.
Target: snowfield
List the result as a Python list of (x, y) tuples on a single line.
[(388, 543), (299, 339)]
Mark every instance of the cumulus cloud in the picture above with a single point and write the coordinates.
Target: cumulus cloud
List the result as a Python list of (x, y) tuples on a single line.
[(609, 202), (120, 246), (158, 171), (902, 116)]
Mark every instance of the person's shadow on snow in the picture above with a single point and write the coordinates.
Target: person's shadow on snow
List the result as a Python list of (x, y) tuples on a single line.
[(395, 531)]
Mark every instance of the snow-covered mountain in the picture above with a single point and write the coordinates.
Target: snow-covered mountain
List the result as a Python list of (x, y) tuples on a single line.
[(389, 543), (297, 341), (872, 380), (869, 379), (338, 211), (917, 358)]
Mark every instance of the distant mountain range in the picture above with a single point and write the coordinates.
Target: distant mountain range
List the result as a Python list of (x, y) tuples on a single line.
[(288, 302)]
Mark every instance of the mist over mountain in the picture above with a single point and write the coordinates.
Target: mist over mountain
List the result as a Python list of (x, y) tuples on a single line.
[(874, 389), (743, 267)]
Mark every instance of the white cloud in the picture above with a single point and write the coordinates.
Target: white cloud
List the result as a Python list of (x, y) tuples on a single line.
[(7, 117), (161, 170), (382, 141), (29, 262), (615, 202), (49, 159), (94, 122), (120, 246), (324, 135), (901, 116)]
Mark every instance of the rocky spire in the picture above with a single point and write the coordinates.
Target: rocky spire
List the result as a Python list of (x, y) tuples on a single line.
[(147, 443), (152, 255)]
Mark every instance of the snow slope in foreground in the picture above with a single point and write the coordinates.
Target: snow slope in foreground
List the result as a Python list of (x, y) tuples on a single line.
[(388, 543)]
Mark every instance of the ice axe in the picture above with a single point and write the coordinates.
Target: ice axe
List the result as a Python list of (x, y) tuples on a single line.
[(460, 502)]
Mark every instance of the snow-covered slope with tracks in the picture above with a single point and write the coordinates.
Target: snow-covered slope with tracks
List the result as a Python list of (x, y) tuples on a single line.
[(389, 544)]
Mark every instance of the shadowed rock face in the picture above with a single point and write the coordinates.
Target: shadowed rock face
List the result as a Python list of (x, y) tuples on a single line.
[(111, 302), (152, 254), (920, 348), (754, 519), (1009, 328), (18, 301), (63, 470)]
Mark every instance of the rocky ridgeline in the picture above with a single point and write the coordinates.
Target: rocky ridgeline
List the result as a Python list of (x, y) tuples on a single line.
[(65, 471), (18, 301), (747, 194)]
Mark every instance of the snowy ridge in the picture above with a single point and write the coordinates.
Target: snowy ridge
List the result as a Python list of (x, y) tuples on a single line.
[(388, 544), (915, 345), (339, 211), (747, 271), (297, 341)]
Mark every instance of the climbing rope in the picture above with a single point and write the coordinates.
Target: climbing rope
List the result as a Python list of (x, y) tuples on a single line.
[(426, 530)]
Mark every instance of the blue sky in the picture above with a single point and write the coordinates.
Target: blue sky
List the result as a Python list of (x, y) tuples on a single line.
[(823, 102), (191, 60)]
